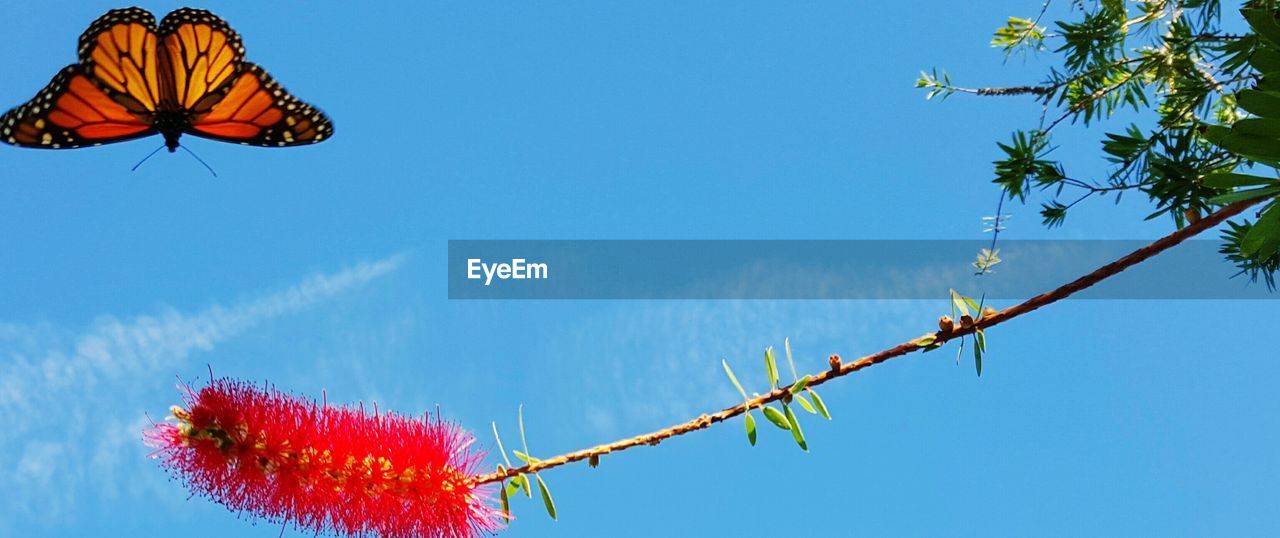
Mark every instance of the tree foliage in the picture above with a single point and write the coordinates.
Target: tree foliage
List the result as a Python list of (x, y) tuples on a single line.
[(1209, 99)]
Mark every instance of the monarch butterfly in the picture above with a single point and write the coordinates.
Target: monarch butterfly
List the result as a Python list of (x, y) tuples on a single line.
[(187, 76)]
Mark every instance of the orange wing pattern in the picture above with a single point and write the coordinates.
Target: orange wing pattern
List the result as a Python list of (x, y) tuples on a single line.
[(202, 55), (71, 112), (187, 76), (120, 50), (257, 111)]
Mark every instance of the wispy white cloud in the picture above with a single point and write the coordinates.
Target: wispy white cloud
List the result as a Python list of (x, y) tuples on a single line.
[(65, 395)]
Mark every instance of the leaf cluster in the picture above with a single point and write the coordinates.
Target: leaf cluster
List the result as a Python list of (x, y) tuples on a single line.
[(521, 482), (1209, 104), (798, 392)]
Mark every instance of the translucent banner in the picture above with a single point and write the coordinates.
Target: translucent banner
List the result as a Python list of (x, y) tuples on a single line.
[(827, 269)]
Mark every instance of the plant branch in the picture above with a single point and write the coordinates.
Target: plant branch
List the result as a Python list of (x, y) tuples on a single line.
[(839, 369), (1077, 108), (1039, 90), (1008, 90), (1219, 37)]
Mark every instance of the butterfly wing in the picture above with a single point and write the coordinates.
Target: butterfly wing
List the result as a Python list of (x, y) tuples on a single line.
[(110, 96), (202, 56), (225, 97), (257, 111), (71, 112), (120, 50)]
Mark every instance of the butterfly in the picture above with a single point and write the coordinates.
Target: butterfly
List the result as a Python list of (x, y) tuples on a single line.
[(187, 76)]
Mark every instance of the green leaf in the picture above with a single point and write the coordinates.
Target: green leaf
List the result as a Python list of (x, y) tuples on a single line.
[(525, 443), (795, 428), (506, 503), (958, 303), (546, 498), (786, 344), (521, 482), (508, 489), (1264, 127), (977, 358), (776, 417), (804, 402), (501, 448), (1258, 102), (734, 378), (819, 404), (1228, 180), (1250, 194), (799, 385), (1264, 239), (751, 428), (1263, 23), (1258, 148), (1216, 133), (525, 457), (1267, 84), (1265, 60), (926, 340), (771, 367)]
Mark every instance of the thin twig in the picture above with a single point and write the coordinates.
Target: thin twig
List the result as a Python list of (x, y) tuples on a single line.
[(1010, 90), (838, 369), (1218, 37), (1044, 89), (1077, 108)]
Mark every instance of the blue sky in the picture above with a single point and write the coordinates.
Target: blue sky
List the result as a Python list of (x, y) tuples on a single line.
[(323, 268)]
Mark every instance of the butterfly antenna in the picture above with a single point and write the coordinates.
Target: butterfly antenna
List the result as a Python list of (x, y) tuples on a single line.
[(193, 154), (144, 159)]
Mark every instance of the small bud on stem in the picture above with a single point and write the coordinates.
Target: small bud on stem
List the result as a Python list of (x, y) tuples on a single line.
[(946, 324)]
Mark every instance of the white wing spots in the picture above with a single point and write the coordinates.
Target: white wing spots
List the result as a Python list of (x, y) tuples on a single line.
[(299, 122)]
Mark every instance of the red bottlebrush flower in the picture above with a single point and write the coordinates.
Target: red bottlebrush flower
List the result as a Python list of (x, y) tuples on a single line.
[(325, 468)]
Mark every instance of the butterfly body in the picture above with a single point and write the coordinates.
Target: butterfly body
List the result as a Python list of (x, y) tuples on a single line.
[(171, 124), (186, 76)]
